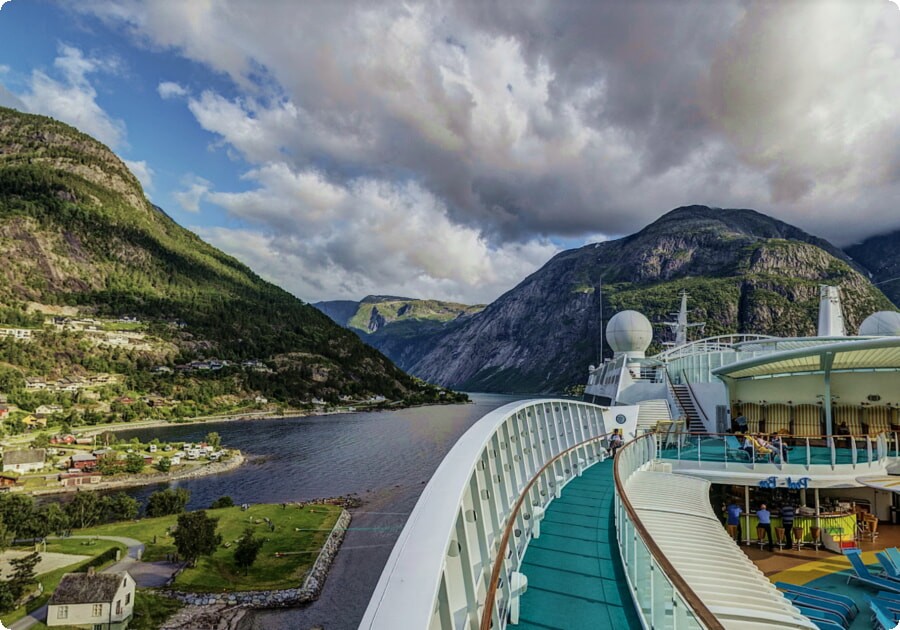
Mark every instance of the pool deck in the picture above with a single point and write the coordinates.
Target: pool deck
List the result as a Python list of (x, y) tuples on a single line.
[(575, 575)]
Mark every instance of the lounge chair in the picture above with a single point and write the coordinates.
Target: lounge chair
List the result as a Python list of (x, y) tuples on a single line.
[(894, 554), (884, 618), (835, 600), (733, 450), (816, 603), (822, 618), (890, 569), (862, 574)]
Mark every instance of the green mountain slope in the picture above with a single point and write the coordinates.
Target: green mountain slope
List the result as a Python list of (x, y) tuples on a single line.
[(744, 271), (80, 238), (880, 255)]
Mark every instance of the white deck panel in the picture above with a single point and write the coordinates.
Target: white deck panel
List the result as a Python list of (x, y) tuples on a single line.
[(675, 510)]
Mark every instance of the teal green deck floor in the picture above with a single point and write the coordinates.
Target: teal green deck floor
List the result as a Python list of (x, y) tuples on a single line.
[(575, 575)]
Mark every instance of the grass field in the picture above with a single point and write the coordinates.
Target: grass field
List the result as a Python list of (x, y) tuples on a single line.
[(218, 572), (151, 610)]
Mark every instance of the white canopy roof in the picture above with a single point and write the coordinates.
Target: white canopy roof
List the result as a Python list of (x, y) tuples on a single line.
[(862, 354), (675, 510)]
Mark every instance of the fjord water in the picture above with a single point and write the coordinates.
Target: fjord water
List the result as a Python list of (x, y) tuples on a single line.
[(384, 457)]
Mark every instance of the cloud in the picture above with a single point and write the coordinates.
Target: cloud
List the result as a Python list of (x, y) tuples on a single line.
[(142, 171), (189, 199), (8, 99), (2, 2), (169, 89), (72, 98), (529, 121), (321, 240)]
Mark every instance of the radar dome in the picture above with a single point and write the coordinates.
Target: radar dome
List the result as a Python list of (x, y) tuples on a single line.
[(881, 324), (630, 333)]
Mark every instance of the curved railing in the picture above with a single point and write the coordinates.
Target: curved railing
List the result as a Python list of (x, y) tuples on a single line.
[(709, 344), (661, 595), (438, 574), (806, 451)]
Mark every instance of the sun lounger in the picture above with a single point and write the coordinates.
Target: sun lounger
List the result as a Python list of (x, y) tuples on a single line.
[(884, 618), (894, 554), (815, 603), (823, 618), (862, 574), (890, 570), (847, 603)]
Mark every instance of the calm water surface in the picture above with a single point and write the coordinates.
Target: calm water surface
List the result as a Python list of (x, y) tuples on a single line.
[(386, 458)]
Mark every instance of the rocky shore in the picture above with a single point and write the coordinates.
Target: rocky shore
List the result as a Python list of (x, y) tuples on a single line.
[(203, 609)]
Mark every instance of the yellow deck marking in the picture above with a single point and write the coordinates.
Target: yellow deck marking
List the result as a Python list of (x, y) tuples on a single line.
[(809, 571)]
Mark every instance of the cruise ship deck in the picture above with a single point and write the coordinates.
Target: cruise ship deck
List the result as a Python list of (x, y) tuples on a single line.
[(575, 575)]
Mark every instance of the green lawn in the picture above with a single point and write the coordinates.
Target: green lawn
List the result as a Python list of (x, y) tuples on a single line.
[(218, 572), (51, 580)]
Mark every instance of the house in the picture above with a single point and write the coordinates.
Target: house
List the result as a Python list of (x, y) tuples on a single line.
[(47, 410), (152, 448), (92, 600), (4, 410), (24, 460), (31, 421), (83, 461), (125, 400), (79, 479), (261, 400), (16, 333), (175, 460), (162, 369), (35, 383), (8, 481), (63, 439)]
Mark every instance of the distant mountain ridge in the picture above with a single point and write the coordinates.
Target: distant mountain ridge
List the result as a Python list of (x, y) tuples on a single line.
[(744, 271), (880, 255)]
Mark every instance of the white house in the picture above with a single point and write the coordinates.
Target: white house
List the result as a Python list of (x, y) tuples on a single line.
[(92, 600), (26, 460)]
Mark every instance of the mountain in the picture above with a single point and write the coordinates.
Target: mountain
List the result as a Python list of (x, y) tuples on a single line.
[(402, 328), (87, 255), (880, 255), (744, 272)]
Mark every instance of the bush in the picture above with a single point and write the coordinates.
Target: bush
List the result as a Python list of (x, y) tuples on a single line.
[(222, 502)]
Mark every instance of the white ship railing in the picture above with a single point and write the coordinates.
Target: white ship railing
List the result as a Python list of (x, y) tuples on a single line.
[(662, 597), (708, 344), (508, 465)]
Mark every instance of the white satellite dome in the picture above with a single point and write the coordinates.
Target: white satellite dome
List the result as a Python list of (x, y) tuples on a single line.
[(881, 324), (629, 333)]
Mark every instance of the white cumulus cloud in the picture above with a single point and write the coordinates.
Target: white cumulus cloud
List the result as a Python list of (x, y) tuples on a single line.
[(170, 89)]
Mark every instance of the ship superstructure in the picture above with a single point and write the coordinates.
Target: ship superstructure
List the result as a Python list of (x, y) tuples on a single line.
[(529, 522)]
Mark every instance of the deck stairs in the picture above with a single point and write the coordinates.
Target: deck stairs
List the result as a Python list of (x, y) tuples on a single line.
[(651, 412), (685, 402)]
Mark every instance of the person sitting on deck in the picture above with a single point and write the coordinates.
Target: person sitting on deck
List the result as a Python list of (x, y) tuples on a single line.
[(615, 442), (756, 445), (780, 448)]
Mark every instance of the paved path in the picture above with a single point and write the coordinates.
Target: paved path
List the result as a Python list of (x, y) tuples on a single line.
[(148, 574)]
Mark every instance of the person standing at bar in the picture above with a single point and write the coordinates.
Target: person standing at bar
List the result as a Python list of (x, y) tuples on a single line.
[(765, 521), (734, 518), (787, 521)]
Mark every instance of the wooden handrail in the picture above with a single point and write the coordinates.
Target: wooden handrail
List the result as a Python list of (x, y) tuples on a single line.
[(681, 586), (491, 597)]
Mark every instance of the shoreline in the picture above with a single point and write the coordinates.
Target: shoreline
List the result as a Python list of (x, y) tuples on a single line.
[(213, 468)]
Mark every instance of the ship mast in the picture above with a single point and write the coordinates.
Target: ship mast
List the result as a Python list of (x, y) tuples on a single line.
[(681, 325)]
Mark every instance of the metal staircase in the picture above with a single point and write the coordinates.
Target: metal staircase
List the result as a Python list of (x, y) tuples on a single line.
[(686, 404)]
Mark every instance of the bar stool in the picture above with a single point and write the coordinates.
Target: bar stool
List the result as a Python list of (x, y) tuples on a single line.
[(760, 532), (798, 536), (814, 534), (779, 534)]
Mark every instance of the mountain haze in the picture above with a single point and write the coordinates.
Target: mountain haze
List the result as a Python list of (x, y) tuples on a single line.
[(744, 271)]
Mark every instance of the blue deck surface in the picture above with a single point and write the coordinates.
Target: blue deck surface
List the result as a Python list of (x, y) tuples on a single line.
[(713, 450), (575, 575)]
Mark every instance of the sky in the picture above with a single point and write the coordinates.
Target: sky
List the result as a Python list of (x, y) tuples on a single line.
[(448, 149)]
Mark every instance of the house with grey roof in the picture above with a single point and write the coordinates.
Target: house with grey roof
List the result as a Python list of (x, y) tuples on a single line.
[(92, 600), (24, 460)]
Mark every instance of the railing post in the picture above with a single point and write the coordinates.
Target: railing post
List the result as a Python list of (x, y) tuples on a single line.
[(853, 454)]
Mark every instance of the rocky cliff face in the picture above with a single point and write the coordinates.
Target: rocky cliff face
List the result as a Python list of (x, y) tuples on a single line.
[(880, 255), (744, 271)]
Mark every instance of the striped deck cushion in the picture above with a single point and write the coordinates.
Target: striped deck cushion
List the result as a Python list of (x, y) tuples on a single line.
[(753, 413), (807, 421), (849, 415), (778, 419), (878, 419)]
